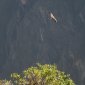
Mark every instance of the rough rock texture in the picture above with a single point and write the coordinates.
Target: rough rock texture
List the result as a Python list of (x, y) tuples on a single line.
[(29, 35)]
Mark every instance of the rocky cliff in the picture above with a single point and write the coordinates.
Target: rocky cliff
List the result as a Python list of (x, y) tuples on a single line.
[(29, 34)]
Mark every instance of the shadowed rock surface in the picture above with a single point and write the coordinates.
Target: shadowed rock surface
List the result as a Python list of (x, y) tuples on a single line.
[(29, 35)]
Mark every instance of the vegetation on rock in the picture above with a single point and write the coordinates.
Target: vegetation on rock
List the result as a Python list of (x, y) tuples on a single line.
[(40, 75)]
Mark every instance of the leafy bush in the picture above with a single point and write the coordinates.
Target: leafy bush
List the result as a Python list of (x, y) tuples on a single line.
[(5, 82), (41, 75)]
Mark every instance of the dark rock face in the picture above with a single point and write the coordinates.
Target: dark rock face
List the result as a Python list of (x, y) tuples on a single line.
[(28, 35)]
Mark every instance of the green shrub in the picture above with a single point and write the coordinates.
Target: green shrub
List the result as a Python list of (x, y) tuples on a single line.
[(5, 82), (42, 75)]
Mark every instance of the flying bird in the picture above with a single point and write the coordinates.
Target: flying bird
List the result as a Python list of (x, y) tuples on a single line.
[(53, 17)]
